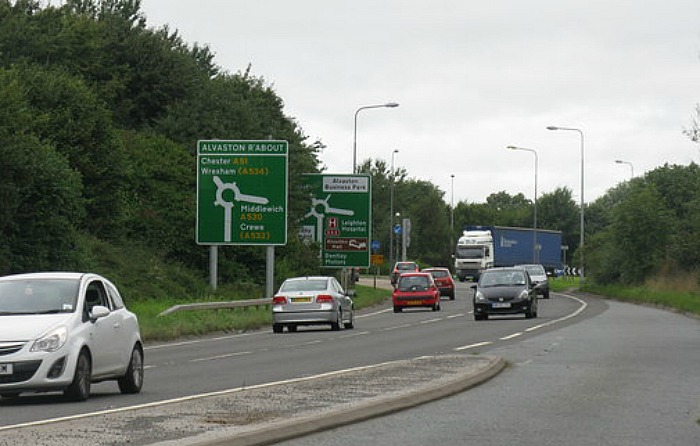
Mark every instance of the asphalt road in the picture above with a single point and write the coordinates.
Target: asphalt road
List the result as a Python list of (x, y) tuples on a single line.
[(629, 376), (210, 364)]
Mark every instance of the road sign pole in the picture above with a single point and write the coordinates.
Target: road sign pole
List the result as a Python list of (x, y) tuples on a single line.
[(213, 266), (270, 271)]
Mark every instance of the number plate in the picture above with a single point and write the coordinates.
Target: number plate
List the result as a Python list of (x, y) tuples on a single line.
[(5, 369), (414, 302), (500, 305), (301, 300)]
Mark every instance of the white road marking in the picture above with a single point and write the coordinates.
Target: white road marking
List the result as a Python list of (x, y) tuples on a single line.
[(478, 344), (227, 355), (578, 311), (188, 398)]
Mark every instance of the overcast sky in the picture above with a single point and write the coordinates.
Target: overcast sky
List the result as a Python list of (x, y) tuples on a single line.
[(471, 78)]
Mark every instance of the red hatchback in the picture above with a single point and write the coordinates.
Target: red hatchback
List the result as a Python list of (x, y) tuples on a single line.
[(416, 290), (443, 280)]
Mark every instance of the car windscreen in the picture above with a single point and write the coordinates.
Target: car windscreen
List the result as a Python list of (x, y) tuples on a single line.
[(502, 278), (304, 285), (470, 252), (38, 296), (536, 270), (413, 283)]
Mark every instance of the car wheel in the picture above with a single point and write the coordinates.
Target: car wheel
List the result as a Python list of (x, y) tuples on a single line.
[(351, 323), (335, 326), (292, 328), (530, 312), (9, 395), (277, 328), (452, 296), (132, 381), (79, 389), (398, 309), (546, 294)]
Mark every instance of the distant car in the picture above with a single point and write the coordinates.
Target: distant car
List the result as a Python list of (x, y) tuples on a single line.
[(401, 268), (416, 290), (504, 291), (64, 331), (316, 300), (538, 275), (443, 280)]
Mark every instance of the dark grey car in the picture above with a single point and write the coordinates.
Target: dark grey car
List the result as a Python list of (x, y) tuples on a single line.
[(504, 291)]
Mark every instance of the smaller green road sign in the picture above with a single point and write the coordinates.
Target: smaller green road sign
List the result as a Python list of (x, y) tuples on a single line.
[(242, 192), (340, 218)]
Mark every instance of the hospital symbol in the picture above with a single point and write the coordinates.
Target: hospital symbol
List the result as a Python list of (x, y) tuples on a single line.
[(321, 208)]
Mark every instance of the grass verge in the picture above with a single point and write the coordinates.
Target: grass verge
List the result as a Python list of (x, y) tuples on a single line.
[(200, 322)]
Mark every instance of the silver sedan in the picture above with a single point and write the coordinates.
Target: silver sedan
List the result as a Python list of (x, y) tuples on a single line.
[(316, 300)]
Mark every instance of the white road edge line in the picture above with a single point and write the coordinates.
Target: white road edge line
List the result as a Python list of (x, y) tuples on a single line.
[(191, 397)]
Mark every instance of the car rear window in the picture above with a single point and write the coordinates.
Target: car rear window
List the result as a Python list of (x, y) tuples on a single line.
[(406, 266), (413, 283), (304, 285), (439, 273)]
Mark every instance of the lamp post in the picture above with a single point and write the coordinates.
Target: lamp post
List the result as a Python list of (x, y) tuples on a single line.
[(452, 203), (354, 135), (552, 127), (628, 163), (391, 212), (535, 256)]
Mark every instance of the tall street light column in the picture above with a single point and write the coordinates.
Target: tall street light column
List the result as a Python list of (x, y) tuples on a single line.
[(354, 135), (391, 212), (552, 127), (452, 204), (628, 163), (535, 253)]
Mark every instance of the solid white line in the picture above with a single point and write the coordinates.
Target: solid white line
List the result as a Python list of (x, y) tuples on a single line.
[(428, 321), (189, 397)]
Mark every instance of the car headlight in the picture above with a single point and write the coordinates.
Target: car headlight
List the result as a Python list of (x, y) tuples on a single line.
[(480, 296), (524, 295), (51, 341)]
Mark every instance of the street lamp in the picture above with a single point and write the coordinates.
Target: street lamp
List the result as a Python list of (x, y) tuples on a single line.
[(354, 136), (551, 127), (627, 162), (452, 204), (391, 212), (535, 257)]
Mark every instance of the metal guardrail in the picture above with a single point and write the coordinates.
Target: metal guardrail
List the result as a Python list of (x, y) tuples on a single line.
[(218, 305)]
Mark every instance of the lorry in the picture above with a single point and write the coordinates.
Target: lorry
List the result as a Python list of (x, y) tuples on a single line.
[(482, 247)]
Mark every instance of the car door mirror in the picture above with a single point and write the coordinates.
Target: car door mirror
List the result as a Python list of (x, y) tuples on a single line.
[(98, 311)]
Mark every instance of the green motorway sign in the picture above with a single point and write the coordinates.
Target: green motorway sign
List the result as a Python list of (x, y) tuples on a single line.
[(340, 218), (242, 192)]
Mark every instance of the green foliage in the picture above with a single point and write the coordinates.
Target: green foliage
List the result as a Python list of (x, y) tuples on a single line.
[(646, 226)]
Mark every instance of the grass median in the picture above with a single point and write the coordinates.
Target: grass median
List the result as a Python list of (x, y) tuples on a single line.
[(184, 324)]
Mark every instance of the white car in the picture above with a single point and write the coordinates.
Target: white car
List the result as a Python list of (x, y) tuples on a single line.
[(62, 331)]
